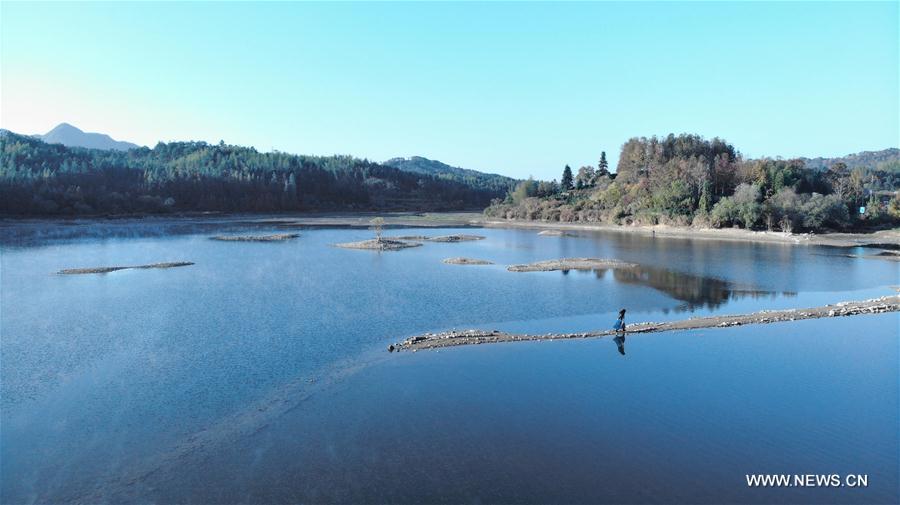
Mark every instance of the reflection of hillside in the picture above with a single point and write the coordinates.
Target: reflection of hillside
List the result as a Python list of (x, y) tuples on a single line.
[(696, 291)]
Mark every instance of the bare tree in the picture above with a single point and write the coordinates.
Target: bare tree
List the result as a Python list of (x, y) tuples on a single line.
[(377, 224)]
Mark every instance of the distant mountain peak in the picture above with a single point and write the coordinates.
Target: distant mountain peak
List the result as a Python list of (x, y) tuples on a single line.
[(72, 136), (64, 125)]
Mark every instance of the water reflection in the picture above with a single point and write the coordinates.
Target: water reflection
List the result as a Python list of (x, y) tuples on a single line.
[(696, 291), (620, 343)]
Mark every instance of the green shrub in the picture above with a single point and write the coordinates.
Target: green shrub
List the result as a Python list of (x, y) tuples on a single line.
[(821, 210)]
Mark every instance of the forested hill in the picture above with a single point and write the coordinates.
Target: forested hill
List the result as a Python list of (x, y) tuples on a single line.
[(474, 178), (887, 160), (37, 178), (686, 180)]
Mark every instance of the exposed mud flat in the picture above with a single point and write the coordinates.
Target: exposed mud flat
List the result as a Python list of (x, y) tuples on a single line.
[(278, 237), (467, 261), (106, 270), (556, 233), (456, 238), (440, 238), (885, 255), (571, 264), (410, 237), (469, 337), (385, 244), (882, 238)]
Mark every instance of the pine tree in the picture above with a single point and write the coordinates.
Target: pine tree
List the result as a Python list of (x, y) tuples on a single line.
[(603, 166), (705, 204), (566, 181)]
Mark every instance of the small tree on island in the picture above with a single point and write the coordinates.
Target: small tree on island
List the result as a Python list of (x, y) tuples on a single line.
[(566, 181), (377, 225)]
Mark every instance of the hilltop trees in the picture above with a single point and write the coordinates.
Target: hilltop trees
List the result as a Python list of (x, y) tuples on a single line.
[(566, 181), (585, 177), (686, 179), (602, 166), (523, 190)]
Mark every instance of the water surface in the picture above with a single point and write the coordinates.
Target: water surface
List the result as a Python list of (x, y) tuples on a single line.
[(113, 375)]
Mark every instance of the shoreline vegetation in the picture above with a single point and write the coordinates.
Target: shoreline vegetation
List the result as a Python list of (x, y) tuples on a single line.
[(686, 180), (475, 337), (278, 237), (106, 270)]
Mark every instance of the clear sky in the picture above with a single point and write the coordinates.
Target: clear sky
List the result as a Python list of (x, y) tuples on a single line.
[(516, 88)]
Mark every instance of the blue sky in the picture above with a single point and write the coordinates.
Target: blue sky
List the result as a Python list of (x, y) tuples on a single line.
[(516, 88)]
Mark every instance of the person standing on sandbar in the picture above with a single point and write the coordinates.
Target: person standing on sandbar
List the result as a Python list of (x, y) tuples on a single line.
[(620, 323)]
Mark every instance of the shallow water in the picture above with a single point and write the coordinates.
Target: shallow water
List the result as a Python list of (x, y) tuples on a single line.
[(680, 418), (110, 377)]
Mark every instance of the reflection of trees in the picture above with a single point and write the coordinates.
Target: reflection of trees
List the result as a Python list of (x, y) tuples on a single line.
[(696, 291)]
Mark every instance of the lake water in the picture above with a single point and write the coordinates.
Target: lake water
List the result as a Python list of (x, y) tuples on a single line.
[(260, 373)]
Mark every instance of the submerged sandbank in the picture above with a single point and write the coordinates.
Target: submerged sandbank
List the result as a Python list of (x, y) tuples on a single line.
[(467, 261), (850, 308), (105, 270), (441, 238), (405, 241), (556, 233), (278, 237), (456, 238), (384, 244), (885, 255), (571, 264)]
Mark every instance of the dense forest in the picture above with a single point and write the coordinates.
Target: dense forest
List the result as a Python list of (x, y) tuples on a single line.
[(37, 178), (688, 180), (474, 178)]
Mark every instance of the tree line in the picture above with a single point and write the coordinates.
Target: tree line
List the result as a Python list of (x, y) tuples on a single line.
[(37, 178), (688, 180)]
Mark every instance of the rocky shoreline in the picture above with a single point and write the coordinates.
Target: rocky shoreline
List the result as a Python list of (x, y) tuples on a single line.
[(474, 337), (878, 239)]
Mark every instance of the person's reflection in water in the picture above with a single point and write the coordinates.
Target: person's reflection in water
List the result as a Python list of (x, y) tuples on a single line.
[(620, 343)]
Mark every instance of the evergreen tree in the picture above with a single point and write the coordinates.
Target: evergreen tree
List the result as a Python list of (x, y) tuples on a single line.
[(705, 204), (603, 166), (566, 181)]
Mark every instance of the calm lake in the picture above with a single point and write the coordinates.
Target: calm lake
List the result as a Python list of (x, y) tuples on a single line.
[(260, 373)]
